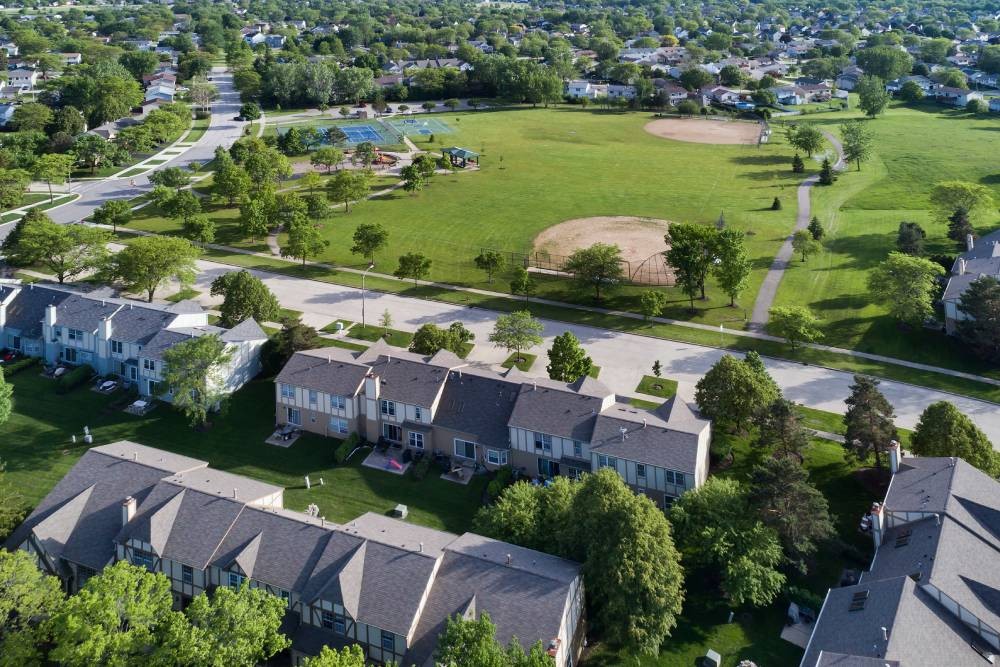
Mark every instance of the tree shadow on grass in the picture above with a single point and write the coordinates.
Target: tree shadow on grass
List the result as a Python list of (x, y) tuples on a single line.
[(759, 160)]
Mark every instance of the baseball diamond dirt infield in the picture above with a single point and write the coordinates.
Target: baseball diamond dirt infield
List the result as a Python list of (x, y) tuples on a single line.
[(701, 131), (640, 240)]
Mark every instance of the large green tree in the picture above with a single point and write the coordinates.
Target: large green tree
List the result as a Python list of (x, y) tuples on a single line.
[(113, 212), (974, 199), (349, 185), (369, 237), (412, 265), (349, 656), (473, 642), (12, 185), (885, 62), (27, 598), (806, 137), (717, 530), (796, 324), (733, 391), (430, 338), (869, 421), (65, 250), (517, 331), (857, 139), (779, 430), (237, 627), (943, 430), (907, 285), (568, 361), (244, 296), (872, 96), (150, 261), (732, 266), (120, 617), (598, 266), (193, 370), (631, 568), (691, 253), (305, 239)]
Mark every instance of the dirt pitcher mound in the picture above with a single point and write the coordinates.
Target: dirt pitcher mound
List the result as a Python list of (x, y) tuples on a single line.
[(699, 131), (640, 239)]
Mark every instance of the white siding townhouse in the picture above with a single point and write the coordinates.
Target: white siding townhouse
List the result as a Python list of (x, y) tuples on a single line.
[(590, 90), (384, 584), (479, 417), (116, 336), (981, 258)]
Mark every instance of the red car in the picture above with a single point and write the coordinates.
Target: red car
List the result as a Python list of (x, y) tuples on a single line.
[(7, 356)]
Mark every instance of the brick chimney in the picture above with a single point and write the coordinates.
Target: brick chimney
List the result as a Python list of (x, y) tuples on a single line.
[(878, 523), (128, 510), (895, 454)]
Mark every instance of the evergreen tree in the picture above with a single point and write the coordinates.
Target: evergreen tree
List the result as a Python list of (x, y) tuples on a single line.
[(869, 423), (815, 228), (798, 166), (980, 330), (826, 175), (960, 228)]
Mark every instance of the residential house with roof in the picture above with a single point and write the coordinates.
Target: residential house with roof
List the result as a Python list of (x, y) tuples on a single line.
[(385, 584), (483, 418), (117, 336), (931, 595), (981, 258), (26, 79)]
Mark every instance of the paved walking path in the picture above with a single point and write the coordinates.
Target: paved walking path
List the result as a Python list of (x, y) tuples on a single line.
[(769, 288)]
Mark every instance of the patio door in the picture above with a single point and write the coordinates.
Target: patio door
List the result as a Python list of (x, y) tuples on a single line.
[(392, 432), (548, 468)]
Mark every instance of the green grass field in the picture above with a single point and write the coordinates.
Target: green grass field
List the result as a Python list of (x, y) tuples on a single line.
[(36, 446), (914, 149)]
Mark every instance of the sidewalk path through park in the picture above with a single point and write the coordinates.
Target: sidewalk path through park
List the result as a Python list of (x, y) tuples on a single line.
[(769, 288)]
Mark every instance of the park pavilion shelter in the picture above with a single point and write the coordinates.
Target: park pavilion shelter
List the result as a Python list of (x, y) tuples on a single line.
[(461, 157)]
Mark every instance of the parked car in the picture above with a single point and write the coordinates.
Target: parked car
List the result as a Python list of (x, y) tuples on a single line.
[(6, 356)]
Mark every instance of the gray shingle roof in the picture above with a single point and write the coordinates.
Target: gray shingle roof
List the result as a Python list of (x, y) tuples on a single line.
[(26, 310), (654, 443), (954, 547), (406, 381), (78, 312), (82, 514), (246, 330), (479, 405), (330, 370), (554, 408)]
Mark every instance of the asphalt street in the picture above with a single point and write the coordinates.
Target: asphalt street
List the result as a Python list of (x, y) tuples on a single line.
[(623, 358)]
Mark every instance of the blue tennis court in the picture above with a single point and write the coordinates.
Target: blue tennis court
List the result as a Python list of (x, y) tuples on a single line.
[(357, 134), (419, 126)]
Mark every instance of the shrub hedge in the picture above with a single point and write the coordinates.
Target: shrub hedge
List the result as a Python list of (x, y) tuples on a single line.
[(73, 379), (16, 367)]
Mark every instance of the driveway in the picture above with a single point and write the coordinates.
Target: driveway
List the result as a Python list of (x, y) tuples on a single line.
[(623, 358)]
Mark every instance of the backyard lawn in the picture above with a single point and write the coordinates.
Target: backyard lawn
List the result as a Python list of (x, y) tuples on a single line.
[(37, 449)]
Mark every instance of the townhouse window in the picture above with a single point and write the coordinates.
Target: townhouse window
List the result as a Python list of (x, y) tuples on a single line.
[(465, 449), (144, 559), (543, 441), (286, 596), (640, 470), (497, 457), (117, 347), (149, 364), (339, 624), (574, 473), (287, 391), (578, 449), (418, 413), (338, 425), (388, 408), (69, 354), (313, 397), (83, 574), (326, 619), (236, 579), (388, 641), (294, 417), (151, 386), (187, 574), (338, 402), (74, 334), (607, 462), (392, 432), (416, 440)]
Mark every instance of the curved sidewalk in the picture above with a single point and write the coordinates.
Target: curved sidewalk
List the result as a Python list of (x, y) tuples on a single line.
[(769, 288)]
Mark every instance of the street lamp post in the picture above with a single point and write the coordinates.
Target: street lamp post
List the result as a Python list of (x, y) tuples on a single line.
[(363, 274)]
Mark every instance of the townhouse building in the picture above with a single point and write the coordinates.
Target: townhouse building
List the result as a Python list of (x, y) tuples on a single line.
[(117, 337), (929, 596), (479, 417), (981, 258), (385, 584)]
